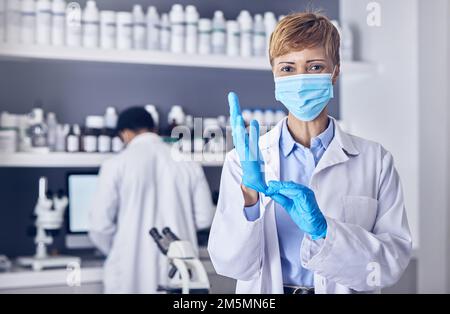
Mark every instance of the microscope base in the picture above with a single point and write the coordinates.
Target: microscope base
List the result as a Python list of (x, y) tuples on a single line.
[(38, 264)]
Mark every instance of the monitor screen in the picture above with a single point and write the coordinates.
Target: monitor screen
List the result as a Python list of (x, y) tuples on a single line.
[(81, 189)]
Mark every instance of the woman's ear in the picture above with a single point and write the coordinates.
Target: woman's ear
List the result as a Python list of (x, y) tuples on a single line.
[(335, 75)]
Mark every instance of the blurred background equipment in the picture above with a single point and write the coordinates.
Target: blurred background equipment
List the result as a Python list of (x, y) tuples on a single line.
[(49, 212), (187, 273)]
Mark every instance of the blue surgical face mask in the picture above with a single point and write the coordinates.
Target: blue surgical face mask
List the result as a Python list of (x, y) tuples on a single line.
[(304, 95)]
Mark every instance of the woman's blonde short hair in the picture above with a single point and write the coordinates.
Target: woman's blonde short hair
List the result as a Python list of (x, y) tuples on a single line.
[(298, 31)]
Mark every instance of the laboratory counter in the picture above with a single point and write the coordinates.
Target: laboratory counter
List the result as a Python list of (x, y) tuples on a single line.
[(87, 280)]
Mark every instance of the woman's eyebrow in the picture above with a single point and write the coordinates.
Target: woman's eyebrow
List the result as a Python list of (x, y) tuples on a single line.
[(288, 62), (314, 60)]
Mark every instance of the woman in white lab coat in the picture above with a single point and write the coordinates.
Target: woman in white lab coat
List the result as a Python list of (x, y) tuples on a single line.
[(141, 188), (339, 225)]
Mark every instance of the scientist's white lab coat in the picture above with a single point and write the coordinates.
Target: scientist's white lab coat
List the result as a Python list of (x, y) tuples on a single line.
[(368, 243), (140, 188)]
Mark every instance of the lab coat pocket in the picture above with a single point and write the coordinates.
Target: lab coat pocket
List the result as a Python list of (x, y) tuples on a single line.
[(361, 211)]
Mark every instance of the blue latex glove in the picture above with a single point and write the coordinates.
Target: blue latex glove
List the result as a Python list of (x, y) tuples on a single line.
[(247, 147), (301, 205)]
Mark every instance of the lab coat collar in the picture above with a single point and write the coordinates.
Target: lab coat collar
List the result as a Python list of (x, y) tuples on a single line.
[(144, 137), (344, 141), (288, 143)]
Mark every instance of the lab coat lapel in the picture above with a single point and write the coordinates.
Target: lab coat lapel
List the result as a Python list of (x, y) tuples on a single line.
[(338, 151), (333, 155), (270, 150)]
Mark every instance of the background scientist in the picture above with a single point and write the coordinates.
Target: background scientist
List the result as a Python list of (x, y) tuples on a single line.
[(142, 188)]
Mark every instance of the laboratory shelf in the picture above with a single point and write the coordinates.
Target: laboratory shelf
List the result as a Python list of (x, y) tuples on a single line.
[(86, 160), (50, 53), (34, 52)]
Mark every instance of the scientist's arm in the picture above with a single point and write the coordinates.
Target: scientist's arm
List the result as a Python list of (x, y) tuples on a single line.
[(363, 260), (103, 213), (235, 243), (202, 199)]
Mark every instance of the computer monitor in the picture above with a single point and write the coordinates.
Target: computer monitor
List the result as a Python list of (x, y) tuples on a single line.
[(81, 188)]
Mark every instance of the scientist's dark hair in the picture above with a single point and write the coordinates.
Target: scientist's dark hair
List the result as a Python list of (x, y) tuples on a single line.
[(135, 119)]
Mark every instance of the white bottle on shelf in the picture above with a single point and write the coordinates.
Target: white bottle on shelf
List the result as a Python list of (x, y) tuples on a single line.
[(269, 117), (124, 30), (104, 142), (58, 22), (139, 27), (177, 26), (204, 36), (218, 40), (43, 22), (110, 118), (258, 115), (279, 115), (52, 126), (114, 141), (233, 39), (192, 17), (246, 26), (61, 136), (2, 20), (117, 144), (38, 130), (259, 36), (108, 28), (73, 25), (165, 32), (28, 18), (177, 115), (13, 21), (91, 25), (107, 132), (270, 22), (153, 28), (92, 131), (73, 139)]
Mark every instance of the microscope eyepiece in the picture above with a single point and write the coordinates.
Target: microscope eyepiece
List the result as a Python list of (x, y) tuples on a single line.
[(169, 234), (162, 243)]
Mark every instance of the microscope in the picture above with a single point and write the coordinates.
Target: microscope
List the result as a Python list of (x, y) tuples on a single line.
[(49, 217), (187, 273)]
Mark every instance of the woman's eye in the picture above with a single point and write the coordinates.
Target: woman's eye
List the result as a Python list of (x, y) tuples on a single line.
[(316, 68), (287, 69)]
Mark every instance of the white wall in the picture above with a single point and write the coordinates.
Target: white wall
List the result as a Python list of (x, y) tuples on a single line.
[(406, 107), (384, 107), (434, 114)]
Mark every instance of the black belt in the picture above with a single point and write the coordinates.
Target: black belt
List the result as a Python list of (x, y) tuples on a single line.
[(297, 290)]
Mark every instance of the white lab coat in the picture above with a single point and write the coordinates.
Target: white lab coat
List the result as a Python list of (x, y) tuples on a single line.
[(140, 188), (368, 243)]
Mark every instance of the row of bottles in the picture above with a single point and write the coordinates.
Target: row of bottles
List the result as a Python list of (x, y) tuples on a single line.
[(182, 30)]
